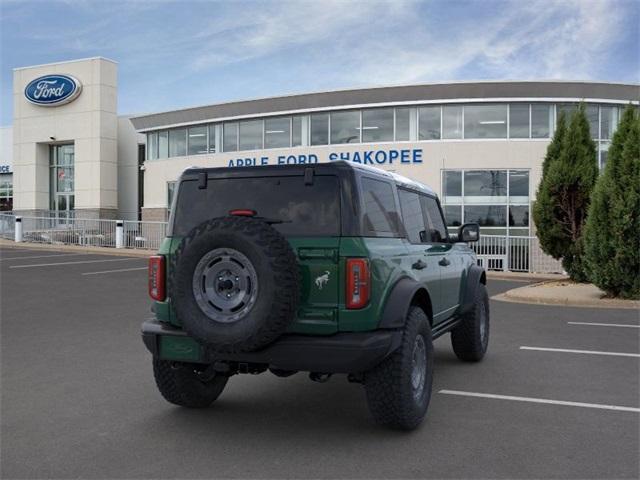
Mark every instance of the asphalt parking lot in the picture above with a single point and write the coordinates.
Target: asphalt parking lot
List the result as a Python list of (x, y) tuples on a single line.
[(79, 401)]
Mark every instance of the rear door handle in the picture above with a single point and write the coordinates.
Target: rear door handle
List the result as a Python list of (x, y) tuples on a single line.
[(419, 265), (444, 262)]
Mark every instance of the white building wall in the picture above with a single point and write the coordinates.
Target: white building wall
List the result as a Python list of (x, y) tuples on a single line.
[(6, 149), (90, 122), (128, 169)]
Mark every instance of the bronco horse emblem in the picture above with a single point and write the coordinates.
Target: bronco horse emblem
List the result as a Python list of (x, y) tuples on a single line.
[(322, 280)]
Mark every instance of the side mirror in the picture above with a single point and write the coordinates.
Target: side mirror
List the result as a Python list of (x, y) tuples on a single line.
[(469, 232)]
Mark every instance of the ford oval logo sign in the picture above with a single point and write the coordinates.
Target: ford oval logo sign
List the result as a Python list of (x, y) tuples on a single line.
[(53, 90)]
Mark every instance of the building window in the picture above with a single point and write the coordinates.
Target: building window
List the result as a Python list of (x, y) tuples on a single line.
[(230, 137), (251, 135), (541, 120), (429, 123), (498, 200), (178, 142), (608, 122), (6, 192), (377, 125), (320, 129), (452, 180), (212, 138), (519, 120), (197, 140), (62, 176), (296, 131), (482, 186), (485, 121), (452, 121), (403, 124), (277, 132), (163, 144), (345, 127), (152, 146), (592, 116)]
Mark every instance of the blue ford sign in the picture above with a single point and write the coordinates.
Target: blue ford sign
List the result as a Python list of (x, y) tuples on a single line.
[(53, 90)]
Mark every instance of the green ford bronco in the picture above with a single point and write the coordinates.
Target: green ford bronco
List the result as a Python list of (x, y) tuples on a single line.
[(325, 268)]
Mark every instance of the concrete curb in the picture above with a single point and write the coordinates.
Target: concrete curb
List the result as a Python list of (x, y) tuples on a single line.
[(525, 277), (544, 293), (125, 252)]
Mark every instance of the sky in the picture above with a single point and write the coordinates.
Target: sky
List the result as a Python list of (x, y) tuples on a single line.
[(176, 54)]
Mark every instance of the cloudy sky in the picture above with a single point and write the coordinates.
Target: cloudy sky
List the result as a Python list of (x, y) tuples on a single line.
[(174, 54)]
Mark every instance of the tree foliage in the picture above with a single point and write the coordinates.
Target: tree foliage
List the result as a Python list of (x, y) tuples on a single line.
[(612, 233), (569, 174)]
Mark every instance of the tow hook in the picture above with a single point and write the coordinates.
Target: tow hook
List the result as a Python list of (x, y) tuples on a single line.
[(320, 377)]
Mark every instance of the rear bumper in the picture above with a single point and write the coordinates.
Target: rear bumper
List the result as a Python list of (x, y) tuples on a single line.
[(338, 353)]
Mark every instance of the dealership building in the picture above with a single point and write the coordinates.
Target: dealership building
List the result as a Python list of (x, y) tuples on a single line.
[(479, 145)]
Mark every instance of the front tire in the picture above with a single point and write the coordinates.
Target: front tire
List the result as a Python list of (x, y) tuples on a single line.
[(470, 338), (180, 384), (399, 389)]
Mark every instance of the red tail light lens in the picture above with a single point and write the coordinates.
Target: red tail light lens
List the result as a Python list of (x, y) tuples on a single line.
[(241, 212), (357, 283), (157, 277)]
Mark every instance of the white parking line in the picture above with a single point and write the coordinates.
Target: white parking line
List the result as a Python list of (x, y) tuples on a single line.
[(590, 352), (541, 400), (76, 263), (114, 271), (605, 324), (42, 256)]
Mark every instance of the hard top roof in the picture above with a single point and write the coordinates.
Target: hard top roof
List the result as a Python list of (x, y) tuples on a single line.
[(325, 166)]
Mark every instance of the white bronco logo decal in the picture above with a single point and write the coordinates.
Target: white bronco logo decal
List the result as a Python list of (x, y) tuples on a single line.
[(322, 280)]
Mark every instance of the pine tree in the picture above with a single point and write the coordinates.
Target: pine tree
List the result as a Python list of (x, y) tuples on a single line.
[(612, 241), (563, 198)]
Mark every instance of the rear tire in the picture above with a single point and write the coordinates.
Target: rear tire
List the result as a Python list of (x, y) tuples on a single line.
[(180, 384), (470, 338), (399, 389)]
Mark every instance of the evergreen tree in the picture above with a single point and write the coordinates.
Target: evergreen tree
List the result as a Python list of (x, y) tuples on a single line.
[(563, 198), (612, 241)]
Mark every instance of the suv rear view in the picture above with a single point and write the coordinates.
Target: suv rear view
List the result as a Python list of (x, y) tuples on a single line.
[(303, 268)]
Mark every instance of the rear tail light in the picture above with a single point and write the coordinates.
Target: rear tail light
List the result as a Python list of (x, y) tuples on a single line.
[(242, 212), (157, 277), (357, 283)]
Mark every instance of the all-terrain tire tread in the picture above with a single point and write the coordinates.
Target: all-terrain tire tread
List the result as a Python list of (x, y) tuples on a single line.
[(180, 385), (465, 338)]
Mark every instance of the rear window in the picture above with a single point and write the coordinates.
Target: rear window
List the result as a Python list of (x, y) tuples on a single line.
[(305, 210)]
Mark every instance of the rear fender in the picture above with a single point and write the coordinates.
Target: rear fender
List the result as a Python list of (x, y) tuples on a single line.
[(405, 293)]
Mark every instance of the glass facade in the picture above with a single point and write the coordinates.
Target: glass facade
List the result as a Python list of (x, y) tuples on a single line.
[(345, 127), (62, 179), (377, 125), (485, 121), (6, 192), (478, 121), (498, 200)]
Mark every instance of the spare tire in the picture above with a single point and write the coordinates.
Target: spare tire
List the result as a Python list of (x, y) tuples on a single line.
[(234, 284)]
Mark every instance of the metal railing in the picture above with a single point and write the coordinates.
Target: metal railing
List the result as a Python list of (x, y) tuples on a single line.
[(69, 231), (148, 235), (95, 232), (516, 254)]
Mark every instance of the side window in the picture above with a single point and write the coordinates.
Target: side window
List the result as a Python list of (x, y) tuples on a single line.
[(379, 206), (412, 215), (437, 230)]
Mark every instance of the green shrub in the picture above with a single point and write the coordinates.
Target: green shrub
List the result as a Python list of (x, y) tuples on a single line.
[(612, 233), (569, 174)]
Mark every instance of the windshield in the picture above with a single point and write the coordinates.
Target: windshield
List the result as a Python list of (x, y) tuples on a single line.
[(304, 210)]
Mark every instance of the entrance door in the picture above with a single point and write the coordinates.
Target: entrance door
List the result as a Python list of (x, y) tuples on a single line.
[(62, 181)]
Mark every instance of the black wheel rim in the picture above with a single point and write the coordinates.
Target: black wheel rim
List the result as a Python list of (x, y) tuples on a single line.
[(225, 285)]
